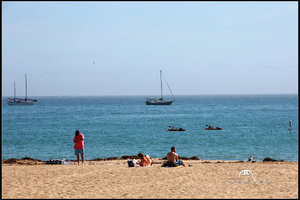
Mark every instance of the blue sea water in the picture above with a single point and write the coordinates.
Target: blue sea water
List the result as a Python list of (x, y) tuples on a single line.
[(114, 126)]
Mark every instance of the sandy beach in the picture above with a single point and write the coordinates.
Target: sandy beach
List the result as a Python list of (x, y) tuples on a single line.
[(114, 179)]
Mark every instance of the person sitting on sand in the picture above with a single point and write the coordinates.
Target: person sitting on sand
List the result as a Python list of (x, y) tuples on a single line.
[(250, 159), (145, 160), (173, 160)]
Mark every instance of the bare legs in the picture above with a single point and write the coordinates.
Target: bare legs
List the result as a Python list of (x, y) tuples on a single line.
[(78, 159), (82, 158)]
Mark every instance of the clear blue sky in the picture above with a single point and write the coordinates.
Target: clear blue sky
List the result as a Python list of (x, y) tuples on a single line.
[(118, 48)]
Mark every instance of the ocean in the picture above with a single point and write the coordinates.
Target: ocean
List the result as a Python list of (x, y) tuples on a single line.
[(114, 126)]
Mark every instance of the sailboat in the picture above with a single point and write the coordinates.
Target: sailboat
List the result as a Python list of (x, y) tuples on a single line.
[(19, 101), (160, 101)]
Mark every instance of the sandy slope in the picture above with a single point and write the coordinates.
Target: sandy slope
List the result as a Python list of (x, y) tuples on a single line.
[(113, 179)]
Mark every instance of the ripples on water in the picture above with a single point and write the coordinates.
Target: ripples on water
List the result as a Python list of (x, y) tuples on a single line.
[(117, 126)]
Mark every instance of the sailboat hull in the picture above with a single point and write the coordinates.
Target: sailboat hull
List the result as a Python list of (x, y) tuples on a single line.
[(19, 103), (159, 103)]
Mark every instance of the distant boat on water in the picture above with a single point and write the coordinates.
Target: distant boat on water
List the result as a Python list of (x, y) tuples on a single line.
[(160, 101), (209, 127), (19, 101), (171, 128)]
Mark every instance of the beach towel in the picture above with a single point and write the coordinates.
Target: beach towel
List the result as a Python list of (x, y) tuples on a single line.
[(171, 164), (179, 163), (58, 161)]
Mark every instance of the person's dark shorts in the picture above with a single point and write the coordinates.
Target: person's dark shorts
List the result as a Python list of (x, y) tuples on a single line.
[(79, 151), (169, 164)]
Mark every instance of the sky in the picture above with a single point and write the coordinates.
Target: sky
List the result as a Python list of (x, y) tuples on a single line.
[(118, 48)]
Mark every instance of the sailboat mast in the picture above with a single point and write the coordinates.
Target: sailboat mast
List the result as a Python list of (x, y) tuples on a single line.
[(25, 88), (14, 90), (161, 89)]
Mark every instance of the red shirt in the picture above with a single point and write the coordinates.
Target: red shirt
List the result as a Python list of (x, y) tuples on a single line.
[(79, 142)]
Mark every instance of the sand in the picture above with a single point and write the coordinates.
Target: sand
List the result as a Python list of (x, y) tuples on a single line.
[(114, 179)]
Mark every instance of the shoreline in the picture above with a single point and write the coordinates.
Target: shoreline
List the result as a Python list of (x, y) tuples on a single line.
[(26, 160)]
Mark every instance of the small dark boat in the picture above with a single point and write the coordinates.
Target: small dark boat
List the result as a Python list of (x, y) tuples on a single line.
[(217, 128), (209, 127), (175, 129)]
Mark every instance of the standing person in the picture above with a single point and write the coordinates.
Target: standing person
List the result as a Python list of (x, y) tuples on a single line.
[(79, 145), (173, 160), (145, 160)]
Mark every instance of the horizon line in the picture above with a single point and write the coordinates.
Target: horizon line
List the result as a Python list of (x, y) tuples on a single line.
[(159, 95)]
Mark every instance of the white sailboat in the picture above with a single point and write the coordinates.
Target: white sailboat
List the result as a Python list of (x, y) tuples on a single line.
[(160, 101), (19, 101)]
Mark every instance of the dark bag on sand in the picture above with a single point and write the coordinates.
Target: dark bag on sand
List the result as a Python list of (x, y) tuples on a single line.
[(53, 162), (130, 163)]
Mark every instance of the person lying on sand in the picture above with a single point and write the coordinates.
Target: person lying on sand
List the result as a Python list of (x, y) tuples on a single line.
[(173, 160), (145, 160)]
